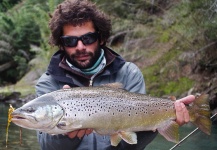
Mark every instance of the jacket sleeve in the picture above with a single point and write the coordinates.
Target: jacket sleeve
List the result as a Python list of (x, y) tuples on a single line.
[(46, 84), (134, 80)]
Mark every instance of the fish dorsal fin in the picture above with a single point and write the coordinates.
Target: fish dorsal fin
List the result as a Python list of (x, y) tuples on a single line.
[(115, 85), (170, 131)]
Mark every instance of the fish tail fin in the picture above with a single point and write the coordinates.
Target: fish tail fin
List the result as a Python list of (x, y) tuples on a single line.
[(200, 113)]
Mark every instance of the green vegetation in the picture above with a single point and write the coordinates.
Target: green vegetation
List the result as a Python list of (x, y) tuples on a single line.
[(23, 27), (7, 4), (165, 77)]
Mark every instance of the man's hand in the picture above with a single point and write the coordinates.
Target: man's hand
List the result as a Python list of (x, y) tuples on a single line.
[(182, 115), (78, 133)]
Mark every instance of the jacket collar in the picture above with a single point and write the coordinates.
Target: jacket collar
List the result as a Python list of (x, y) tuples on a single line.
[(59, 69)]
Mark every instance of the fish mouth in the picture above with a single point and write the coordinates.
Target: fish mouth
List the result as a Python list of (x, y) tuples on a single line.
[(18, 118)]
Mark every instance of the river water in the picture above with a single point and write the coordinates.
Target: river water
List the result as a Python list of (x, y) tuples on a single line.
[(198, 140)]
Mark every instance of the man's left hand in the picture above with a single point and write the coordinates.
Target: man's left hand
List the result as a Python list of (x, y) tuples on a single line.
[(182, 115)]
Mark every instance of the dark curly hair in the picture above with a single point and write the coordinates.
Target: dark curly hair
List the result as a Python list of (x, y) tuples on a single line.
[(77, 12)]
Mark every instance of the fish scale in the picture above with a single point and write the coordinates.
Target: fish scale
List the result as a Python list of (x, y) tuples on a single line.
[(108, 110)]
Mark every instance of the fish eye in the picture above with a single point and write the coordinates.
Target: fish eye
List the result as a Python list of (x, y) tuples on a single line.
[(30, 109)]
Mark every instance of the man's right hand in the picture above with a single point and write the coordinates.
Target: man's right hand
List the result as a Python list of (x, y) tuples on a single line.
[(79, 133)]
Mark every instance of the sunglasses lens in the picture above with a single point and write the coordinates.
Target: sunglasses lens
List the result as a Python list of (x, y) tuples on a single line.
[(89, 38), (69, 41), (72, 41)]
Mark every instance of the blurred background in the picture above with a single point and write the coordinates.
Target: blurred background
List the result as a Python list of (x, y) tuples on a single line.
[(173, 42)]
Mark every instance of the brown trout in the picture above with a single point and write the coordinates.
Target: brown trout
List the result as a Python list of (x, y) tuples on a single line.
[(108, 111)]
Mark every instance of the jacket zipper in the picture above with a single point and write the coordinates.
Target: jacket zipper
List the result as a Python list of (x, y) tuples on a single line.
[(91, 79), (91, 82)]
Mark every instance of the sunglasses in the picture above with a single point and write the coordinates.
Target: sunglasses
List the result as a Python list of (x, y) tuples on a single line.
[(72, 41)]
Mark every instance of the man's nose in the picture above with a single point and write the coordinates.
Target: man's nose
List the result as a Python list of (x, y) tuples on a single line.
[(80, 45)]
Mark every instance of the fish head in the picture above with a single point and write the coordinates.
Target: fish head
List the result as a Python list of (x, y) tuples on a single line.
[(42, 113)]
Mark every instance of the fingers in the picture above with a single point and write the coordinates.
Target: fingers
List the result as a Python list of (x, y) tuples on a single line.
[(182, 115), (79, 133), (66, 87), (88, 131), (72, 134), (187, 100)]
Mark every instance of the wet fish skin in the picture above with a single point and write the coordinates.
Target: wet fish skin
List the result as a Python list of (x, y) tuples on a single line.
[(40, 113), (108, 110)]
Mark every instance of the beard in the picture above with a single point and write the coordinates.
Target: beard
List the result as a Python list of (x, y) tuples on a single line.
[(84, 64)]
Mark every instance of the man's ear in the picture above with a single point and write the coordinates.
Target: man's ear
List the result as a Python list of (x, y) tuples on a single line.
[(102, 43), (61, 48)]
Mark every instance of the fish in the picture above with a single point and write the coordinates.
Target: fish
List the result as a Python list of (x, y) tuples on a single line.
[(108, 110)]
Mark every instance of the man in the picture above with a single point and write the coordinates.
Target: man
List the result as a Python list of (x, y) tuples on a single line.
[(80, 31)]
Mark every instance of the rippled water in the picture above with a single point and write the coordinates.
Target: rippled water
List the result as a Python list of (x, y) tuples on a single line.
[(198, 141)]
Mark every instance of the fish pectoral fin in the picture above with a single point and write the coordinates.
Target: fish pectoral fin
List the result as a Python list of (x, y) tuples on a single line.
[(64, 126), (61, 125), (170, 131), (115, 139), (129, 137)]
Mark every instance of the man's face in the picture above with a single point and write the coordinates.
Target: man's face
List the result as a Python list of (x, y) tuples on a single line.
[(82, 55)]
